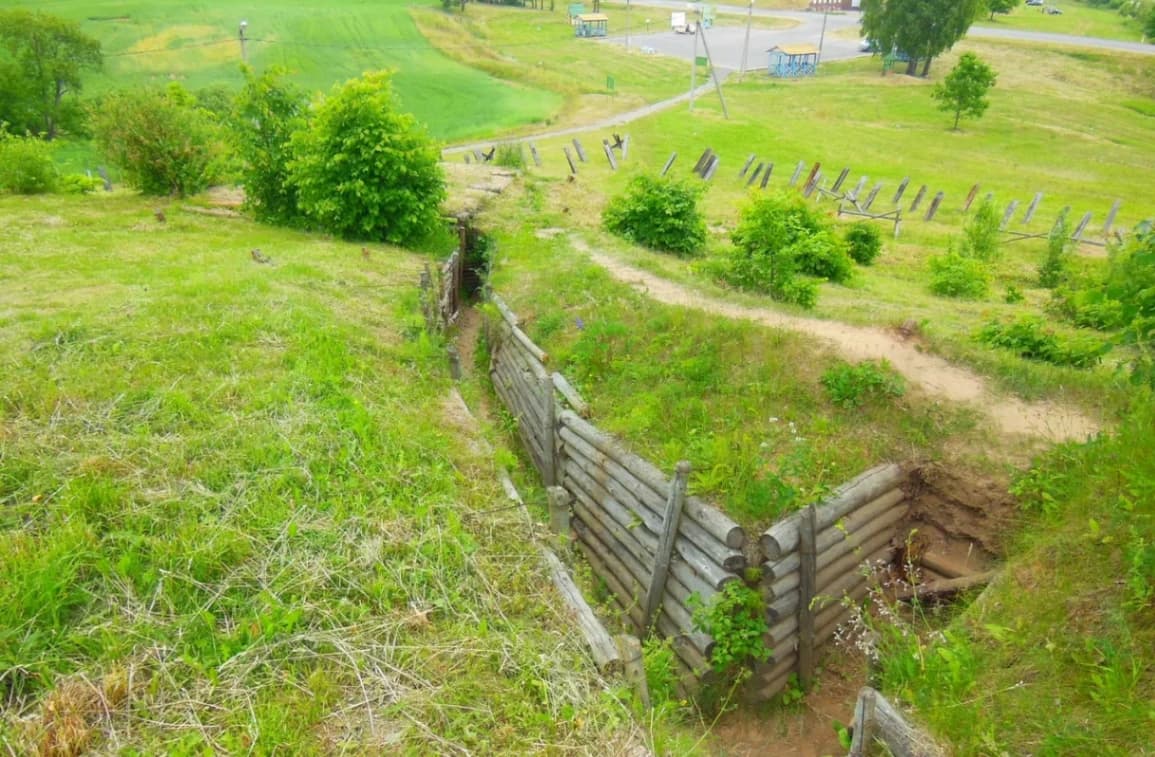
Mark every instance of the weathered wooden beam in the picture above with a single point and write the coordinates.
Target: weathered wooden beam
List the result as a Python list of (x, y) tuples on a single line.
[(671, 520), (746, 166), (669, 162), (601, 644), (877, 719), (807, 534), (918, 198), (901, 191), (946, 587), (571, 395), (581, 153), (1033, 207)]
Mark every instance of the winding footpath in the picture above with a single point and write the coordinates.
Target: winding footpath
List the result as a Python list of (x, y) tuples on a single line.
[(935, 376)]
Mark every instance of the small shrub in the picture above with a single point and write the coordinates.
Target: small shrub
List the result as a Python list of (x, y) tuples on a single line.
[(863, 242), (736, 618), (1013, 295), (659, 213), (823, 255), (160, 138), (953, 275), (1054, 268), (509, 156), (364, 169), (849, 386), (1029, 337), (981, 233), (79, 184), (26, 165)]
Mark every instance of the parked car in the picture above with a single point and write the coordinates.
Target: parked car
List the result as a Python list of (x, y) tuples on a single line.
[(1035, 2)]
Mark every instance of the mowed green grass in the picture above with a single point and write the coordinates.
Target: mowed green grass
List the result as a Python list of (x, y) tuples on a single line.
[(156, 42), (236, 514), (1076, 18)]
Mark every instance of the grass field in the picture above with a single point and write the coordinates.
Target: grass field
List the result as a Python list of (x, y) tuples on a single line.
[(158, 42), (1076, 18), (238, 514)]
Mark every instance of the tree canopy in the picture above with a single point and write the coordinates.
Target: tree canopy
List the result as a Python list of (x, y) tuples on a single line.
[(41, 60), (964, 90), (920, 29), (1000, 6)]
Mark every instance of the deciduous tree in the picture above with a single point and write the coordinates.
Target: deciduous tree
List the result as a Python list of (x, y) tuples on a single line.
[(41, 61), (919, 29), (964, 90), (1001, 6)]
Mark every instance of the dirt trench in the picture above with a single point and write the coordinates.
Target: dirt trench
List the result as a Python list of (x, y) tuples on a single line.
[(934, 375)]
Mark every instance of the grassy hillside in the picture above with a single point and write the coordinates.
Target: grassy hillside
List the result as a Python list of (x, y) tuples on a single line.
[(157, 41), (237, 512)]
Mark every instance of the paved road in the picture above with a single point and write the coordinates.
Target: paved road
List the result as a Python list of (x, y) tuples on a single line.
[(726, 44)]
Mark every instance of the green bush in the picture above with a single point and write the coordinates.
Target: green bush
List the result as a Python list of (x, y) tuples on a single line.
[(849, 386), (79, 184), (981, 235), (26, 165), (1031, 338), (953, 275), (736, 618), (659, 213), (863, 242), (265, 115), (164, 142), (823, 255), (509, 155), (1054, 268), (365, 170)]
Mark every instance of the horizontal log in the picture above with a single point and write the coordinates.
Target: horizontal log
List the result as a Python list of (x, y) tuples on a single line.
[(512, 349), (624, 587), (712, 520), (941, 565), (622, 486), (788, 626), (938, 589), (772, 678), (693, 659), (849, 553), (502, 308), (713, 573), (601, 644), (782, 538), (788, 604), (838, 539), (571, 395), (517, 393)]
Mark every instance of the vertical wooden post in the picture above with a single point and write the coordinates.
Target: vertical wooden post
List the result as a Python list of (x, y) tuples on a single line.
[(580, 152), (1009, 214), (841, 179), (670, 522), (701, 164), (609, 154), (934, 206), (970, 198), (1078, 235), (814, 171), (1032, 207), (901, 190), (797, 172), (549, 431), (626, 147), (918, 198), (766, 176), (870, 197), (711, 169), (533, 152), (569, 159), (631, 651), (559, 510), (746, 166), (807, 571), (670, 162), (897, 222), (754, 176), (853, 194), (1111, 217)]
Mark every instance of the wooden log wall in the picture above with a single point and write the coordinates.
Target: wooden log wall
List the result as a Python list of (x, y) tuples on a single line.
[(855, 528)]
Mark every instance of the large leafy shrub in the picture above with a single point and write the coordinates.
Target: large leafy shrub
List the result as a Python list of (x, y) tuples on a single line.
[(863, 242), (265, 115), (364, 169), (953, 275), (1030, 337), (659, 213), (981, 235), (26, 165), (163, 141), (1055, 265)]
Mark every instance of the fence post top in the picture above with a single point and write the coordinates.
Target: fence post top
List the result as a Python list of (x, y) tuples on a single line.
[(683, 467)]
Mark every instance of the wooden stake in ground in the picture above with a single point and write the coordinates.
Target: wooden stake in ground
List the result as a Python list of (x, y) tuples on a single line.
[(1111, 217), (670, 523), (533, 152), (1032, 207), (580, 152), (609, 155), (766, 176), (569, 159), (970, 198), (746, 166), (797, 172), (918, 198), (670, 162), (901, 190), (934, 206)]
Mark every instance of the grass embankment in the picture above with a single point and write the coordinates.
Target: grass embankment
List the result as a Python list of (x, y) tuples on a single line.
[(197, 45), (1076, 18), (538, 48), (236, 514), (1070, 125)]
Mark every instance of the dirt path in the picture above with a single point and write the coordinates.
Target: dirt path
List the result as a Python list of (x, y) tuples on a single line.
[(932, 374)]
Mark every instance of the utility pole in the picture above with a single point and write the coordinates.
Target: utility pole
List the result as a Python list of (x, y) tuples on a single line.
[(821, 38), (746, 44), (714, 73), (244, 51), (694, 58)]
